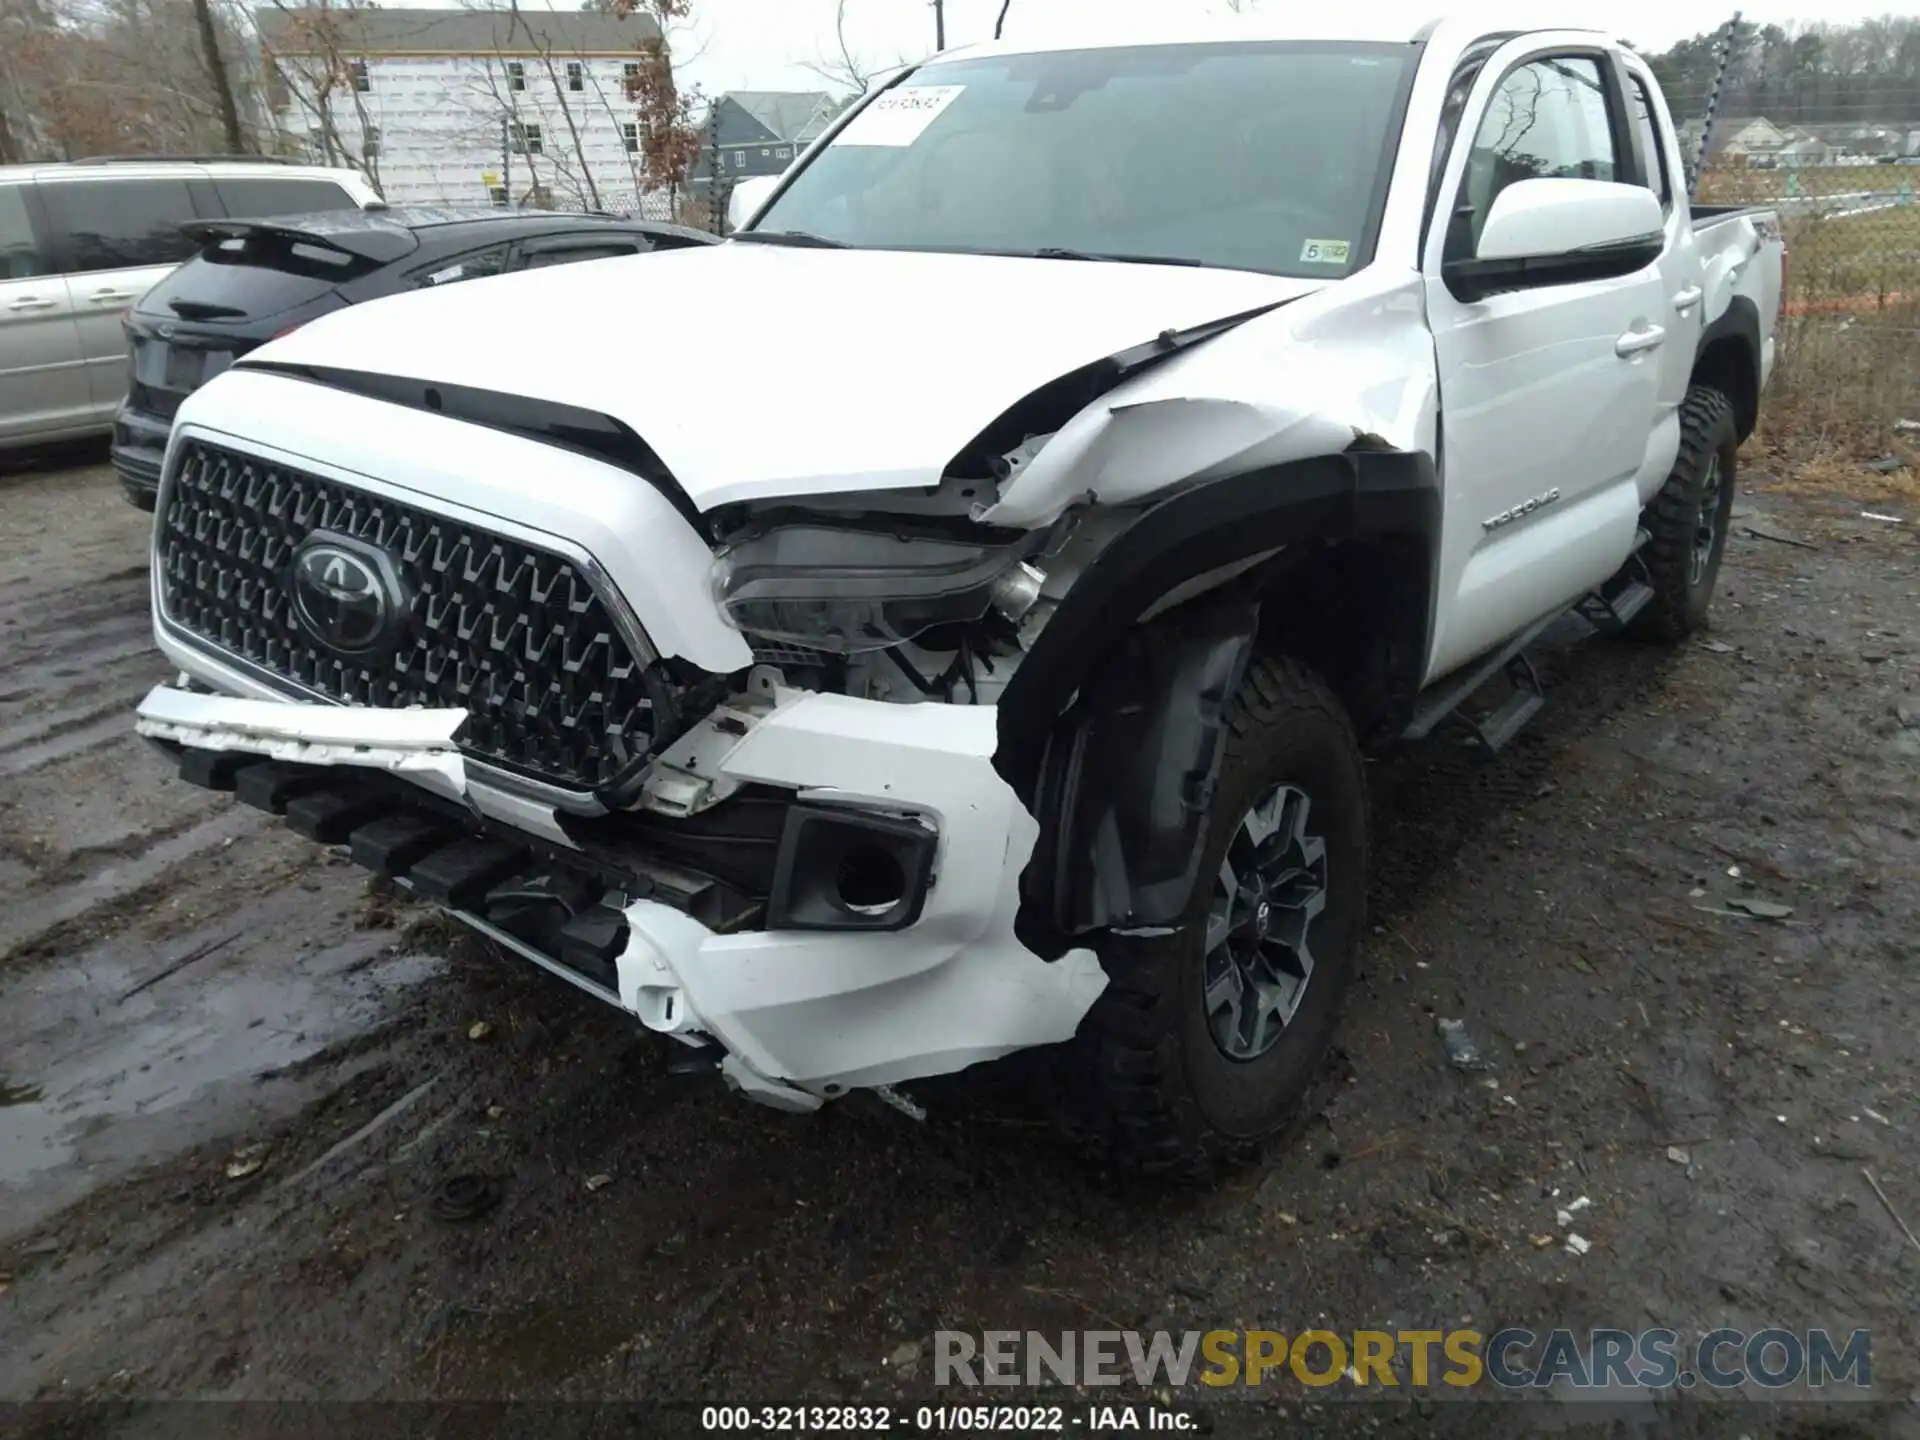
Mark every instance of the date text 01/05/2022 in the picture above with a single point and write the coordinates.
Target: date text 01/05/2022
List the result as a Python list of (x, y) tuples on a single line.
[(939, 1419)]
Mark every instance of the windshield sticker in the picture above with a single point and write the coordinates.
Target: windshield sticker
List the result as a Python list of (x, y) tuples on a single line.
[(1325, 252), (899, 117), (441, 277)]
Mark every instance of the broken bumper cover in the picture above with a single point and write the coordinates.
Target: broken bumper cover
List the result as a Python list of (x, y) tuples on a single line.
[(803, 1015)]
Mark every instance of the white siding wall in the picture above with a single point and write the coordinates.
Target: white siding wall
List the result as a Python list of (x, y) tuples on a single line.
[(440, 123)]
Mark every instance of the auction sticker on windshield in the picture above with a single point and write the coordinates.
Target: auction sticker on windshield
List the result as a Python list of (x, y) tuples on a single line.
[(899, 117), (1325, 252)]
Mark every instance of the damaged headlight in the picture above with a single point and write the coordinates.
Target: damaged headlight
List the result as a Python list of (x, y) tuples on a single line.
[(848, 591)]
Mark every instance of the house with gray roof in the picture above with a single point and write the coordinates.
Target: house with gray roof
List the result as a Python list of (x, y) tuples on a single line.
[(759, 132)]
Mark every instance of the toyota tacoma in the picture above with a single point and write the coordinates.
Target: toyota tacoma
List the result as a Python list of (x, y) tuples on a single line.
[(950, 617)]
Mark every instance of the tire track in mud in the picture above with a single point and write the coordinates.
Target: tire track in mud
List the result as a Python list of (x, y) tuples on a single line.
[(76, 654)]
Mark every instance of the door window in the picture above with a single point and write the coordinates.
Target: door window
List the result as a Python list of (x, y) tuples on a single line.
[(573, 254), (476, 266), (1653, 143), (20, 257), (120, 224), (1548, 120), (257, 198)]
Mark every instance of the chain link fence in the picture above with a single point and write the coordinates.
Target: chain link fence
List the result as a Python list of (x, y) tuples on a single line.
[(1844, 178)]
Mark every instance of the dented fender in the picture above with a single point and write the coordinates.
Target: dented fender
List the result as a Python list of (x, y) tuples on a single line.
[(1307, 379)]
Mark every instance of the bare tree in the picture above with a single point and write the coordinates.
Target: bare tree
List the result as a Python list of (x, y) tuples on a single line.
[(849, 69), (217, 74)]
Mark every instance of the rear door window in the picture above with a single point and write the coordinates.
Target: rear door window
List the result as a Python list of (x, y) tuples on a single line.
[(119, 224), (475, 265), (258, 197), (566, 253), (21, 257)]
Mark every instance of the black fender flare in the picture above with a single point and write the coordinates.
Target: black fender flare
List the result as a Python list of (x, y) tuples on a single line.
[(1737, 328), (1115, 746)]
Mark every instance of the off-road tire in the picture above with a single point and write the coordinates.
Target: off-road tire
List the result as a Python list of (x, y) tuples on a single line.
[(1143, 1087), (1681, 595)]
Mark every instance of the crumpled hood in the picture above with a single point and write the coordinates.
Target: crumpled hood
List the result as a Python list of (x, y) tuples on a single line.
[(757, 371)]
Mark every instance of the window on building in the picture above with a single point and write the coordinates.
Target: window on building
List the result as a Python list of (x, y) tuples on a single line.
[(527, 139), (630, 137), (497, 196), (576, 75), (783, 152), (516, 75), (630, 75), (1548, 119), (739, 159), (362, 81), (120, 224)]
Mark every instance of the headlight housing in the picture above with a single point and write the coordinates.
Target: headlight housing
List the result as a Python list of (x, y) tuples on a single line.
[(846, 591)]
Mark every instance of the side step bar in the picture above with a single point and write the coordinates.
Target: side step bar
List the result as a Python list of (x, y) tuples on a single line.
[(1609, 609), (1443, 700)]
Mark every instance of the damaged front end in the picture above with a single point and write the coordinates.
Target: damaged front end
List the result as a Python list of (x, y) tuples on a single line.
[(784, 778)]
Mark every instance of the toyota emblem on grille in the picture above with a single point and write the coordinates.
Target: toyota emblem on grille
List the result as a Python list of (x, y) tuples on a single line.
[(347, 594)]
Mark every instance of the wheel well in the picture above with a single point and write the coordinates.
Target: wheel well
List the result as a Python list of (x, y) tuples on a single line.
[(1729, 365), (1357, 612)]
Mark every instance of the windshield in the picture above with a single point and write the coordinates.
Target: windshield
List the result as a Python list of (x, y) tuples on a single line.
[(1245, 156)]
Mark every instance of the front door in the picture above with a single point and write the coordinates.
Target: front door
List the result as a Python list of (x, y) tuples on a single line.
[(1547, 393), (43, 382)]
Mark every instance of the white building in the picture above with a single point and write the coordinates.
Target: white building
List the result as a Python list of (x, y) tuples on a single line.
[(465, 107)]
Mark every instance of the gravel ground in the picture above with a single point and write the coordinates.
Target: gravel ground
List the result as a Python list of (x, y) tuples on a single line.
[(233, 1075)]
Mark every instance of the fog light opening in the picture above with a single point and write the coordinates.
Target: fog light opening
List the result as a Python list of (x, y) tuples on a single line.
[(869, 880)]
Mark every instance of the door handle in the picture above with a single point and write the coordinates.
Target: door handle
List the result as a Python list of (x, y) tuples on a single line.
[(111, 297), (1634, 341), (1687, 299), (32, 302)]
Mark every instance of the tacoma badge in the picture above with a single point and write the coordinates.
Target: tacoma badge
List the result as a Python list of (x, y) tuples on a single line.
[(1524, 508)]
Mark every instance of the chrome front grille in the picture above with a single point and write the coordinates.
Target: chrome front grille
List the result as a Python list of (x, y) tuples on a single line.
[(516, 635)]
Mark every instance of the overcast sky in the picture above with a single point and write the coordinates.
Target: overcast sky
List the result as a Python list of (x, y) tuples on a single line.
[(766, 44)]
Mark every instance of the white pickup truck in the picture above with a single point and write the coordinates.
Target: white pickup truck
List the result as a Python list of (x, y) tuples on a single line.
[(949, 617)]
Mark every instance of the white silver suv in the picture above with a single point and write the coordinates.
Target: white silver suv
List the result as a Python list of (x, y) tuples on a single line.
[(80, 242)]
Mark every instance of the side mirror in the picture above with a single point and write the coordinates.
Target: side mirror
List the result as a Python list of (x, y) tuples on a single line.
[(747, 198), (1558, 232)]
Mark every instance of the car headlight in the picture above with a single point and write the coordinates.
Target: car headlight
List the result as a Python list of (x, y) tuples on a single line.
[(848, 591)]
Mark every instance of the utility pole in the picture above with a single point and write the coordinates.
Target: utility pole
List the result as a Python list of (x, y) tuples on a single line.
[(939, 24)]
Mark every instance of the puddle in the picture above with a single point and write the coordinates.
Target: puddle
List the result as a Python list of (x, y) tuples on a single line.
[(12, 1094), (116, 1082)]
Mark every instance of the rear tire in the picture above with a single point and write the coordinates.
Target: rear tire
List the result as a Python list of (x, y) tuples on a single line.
[(1687, 521), (1166, 1076)]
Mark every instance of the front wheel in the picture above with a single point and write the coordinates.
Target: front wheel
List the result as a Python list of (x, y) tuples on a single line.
[(1687, 521), (1206, 1040)]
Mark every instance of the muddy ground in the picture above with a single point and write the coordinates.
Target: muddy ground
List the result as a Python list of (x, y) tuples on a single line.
[(232, 1077)]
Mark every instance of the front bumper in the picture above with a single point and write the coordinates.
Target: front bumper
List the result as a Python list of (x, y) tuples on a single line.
[(802, 1015)]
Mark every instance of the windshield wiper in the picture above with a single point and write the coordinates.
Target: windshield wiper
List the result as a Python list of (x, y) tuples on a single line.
[(803, 238), (1061, 252)]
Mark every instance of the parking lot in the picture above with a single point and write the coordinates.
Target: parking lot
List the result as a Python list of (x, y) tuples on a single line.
[(234, 1077)]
